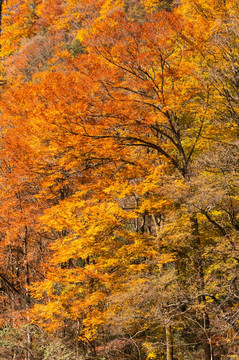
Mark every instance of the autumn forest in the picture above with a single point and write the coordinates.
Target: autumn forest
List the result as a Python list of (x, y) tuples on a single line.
[(119, 205)]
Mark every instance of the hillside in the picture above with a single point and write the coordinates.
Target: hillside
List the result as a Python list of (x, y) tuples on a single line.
[(119, 180)]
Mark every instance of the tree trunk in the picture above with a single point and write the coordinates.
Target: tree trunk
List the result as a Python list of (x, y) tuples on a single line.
[(169, 342), (198, 263), (27, 283)]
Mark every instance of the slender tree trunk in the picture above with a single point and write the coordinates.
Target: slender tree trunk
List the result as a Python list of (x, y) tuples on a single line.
[(198, 263), (169, 342), (27, 283)]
